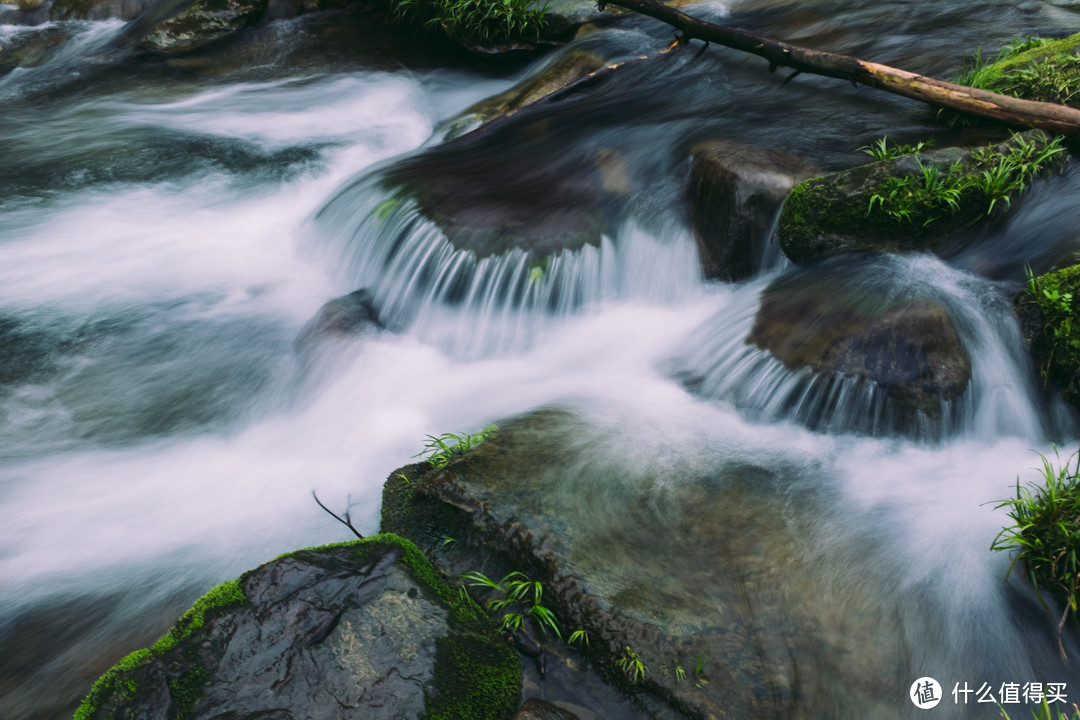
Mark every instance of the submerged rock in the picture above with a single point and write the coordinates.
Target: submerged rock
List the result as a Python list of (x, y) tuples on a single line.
[(735, 192), (347, 315), (906, 346), (910, 203), (363, 629)]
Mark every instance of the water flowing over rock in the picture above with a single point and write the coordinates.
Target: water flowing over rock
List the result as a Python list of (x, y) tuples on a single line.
[(907, 347), (735, 192), (362, 629), (707, 572)]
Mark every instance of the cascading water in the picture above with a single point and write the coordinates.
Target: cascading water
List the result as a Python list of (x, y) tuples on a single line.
[(475, 307), (165, 236), (1001, 399)]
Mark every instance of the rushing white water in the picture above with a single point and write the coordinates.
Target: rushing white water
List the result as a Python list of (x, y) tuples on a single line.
[(165, 433)]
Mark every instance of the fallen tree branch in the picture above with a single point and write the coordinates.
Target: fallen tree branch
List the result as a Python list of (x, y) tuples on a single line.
[(972, 101), (346, 521)]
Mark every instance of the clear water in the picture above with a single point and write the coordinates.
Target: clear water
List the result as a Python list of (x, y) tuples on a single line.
[(166, 235)]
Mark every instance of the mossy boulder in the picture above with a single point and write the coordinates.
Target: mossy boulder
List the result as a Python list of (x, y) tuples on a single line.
[(906, 346), (1049, 309), (1047, 70), (701, 568), (911, 203), (367, 627), (735, 192)]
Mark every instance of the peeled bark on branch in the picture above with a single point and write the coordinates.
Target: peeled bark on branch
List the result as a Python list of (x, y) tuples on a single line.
[(972, 101)]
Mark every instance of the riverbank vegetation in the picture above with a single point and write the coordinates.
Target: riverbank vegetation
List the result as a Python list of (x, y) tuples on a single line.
[(1045, 536)]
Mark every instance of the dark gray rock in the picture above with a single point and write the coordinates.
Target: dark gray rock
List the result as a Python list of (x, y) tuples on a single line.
[(735, 193), (363, 629), (347, 315), (202, 22), (906, 346)]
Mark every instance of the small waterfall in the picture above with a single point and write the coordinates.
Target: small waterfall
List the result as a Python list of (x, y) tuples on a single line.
[(477, 306), (1001, 399), (84, 47)]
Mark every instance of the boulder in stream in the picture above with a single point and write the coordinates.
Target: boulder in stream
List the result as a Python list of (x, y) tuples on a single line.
[(735, 192), (365, 629), (695, 581), (910, 203), (907, 346)]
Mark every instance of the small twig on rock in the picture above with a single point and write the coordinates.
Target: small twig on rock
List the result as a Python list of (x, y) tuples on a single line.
[(346, 521)]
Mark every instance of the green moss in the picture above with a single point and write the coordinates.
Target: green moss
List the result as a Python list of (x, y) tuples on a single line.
[(226, 594), (1047, 70), (911, 203), (116, 680), (1056, 345), (476, 677), (186, 689)]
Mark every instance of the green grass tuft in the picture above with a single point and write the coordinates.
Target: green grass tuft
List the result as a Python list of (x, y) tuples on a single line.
[(439, 450), (1045, 536)]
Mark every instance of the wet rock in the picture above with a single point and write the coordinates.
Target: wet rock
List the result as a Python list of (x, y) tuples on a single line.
[(97, 9), (567, 68), (365, 628), (202, 22), (31, 47), (347, 315), (534, 709), (735, 193), (906, 346), (489, 197), (704, 577), (912, 203)]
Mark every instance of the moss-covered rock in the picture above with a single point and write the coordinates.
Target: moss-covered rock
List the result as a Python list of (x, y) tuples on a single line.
[(1049, 309), (910, 203), (1035, 69), (368, 625), (659, 561)]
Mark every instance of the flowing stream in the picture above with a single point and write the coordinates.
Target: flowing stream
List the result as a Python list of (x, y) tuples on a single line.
[(166, 234)]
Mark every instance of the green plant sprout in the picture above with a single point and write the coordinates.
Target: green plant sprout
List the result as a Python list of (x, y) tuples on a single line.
[(632, 665), (680, 674), (1044, 712), (578, 636), (880, 150), (934, 194), (439, 450), (518, 599)]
